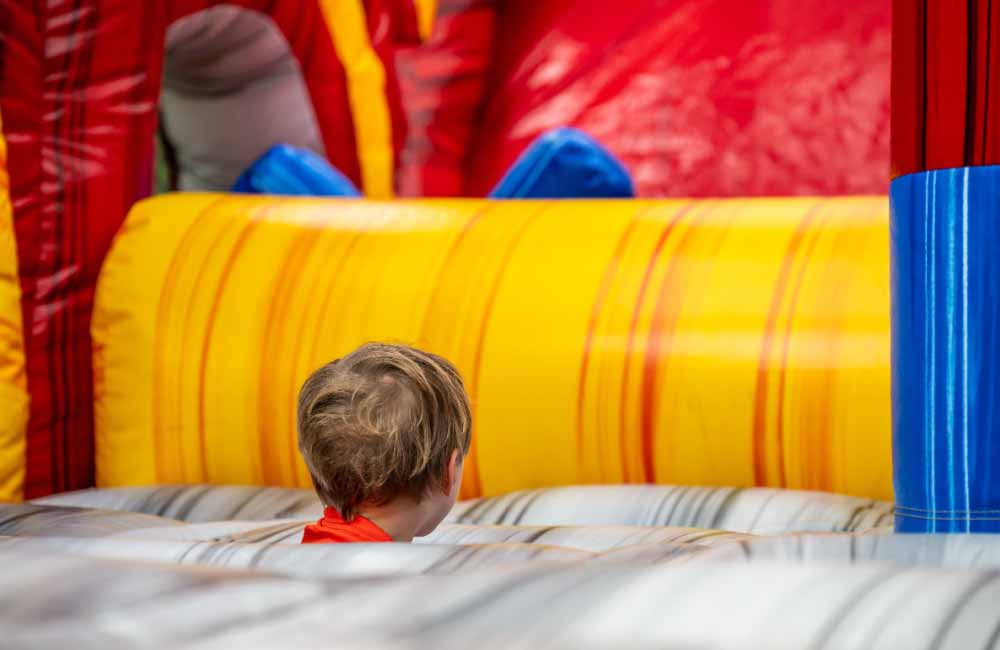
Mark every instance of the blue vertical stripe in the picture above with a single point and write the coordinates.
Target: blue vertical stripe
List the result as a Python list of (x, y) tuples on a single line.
[(946, 349)]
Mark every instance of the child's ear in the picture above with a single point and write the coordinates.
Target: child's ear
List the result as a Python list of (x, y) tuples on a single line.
[(451, 472)]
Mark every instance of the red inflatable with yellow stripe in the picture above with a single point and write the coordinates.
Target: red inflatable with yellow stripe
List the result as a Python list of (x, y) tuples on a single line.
[(79, 84)]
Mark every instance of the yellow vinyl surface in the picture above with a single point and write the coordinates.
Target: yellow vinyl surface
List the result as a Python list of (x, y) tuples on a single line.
[(426, 14), (13, 386), (718, 342)]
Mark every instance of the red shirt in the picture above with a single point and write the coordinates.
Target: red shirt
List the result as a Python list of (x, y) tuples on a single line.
[(332, 529)]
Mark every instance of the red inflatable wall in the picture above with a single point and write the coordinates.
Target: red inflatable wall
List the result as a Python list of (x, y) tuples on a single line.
[(699, 97), (946, 56), (444, 88), (79, 85)]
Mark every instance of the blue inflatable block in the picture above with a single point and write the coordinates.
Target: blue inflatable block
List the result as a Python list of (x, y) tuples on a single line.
[(945, 239), (565, 164), (291, 171)]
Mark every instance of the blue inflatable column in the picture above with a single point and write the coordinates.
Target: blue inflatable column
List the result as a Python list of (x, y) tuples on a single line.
[(946, 349)]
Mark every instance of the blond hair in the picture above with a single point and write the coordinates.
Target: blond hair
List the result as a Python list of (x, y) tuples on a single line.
[(382, 423)]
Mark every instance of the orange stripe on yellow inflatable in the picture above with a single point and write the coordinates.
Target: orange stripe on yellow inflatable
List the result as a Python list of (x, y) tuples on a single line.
[(426, 13), (13, 388), (733, 342), (366, 92)]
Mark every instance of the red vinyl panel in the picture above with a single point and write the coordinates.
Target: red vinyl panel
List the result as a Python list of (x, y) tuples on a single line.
[(444, 89), (946, 83), (79, 85), (699, 97)]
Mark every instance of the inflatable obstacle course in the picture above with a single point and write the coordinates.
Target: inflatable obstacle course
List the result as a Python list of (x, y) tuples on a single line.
[(696, 419), (720, 342), (397, 97), (618, 554)]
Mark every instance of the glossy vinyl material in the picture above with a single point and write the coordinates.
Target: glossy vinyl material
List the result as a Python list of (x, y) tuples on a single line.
[(565, 164), (726, 342), (758, 511), (946, 350), (13, 388), (632, 566), (945, 84), (79, 84), (293, 171), (326, 561), (699, 97), (668, 513), (57, 594), (226, 73), (980, 552), (444, 84)]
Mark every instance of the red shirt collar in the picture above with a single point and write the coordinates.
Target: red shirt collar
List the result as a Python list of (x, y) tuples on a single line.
[(333, 529)]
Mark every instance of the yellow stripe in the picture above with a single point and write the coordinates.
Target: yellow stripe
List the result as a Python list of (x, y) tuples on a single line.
[(346, 22), (730, 342), (426, 12), (13, 383)]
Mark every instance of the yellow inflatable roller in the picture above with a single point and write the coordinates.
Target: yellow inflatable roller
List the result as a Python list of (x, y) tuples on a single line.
[(719, 342), (13, 387)]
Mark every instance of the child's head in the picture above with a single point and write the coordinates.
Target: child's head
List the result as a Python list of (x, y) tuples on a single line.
[(386, 424)]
